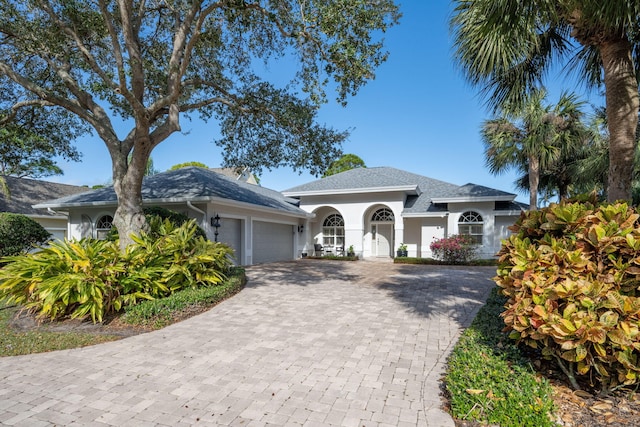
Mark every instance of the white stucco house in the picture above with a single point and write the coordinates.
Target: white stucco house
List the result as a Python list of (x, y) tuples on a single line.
[(376, 209), (260, 224), (371, 209)]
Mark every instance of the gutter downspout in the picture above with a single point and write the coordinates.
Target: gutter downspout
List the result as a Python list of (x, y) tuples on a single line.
[(200, 211)]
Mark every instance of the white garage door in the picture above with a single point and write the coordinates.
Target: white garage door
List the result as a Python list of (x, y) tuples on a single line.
[(231, 234), (272, 242)]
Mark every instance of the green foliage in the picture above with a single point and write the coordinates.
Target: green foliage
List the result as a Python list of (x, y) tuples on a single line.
[(32, 138), (344, 163), (19, 233), (455, 249), (570, 272), (431, 261), (187, 164), (161, 312), (488, 381), (90, 278), (335, 257), (155, 216)]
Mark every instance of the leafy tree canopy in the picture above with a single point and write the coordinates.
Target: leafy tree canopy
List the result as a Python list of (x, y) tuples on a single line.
[(154, 62), (344, 163), (31, 139), (187, 164)]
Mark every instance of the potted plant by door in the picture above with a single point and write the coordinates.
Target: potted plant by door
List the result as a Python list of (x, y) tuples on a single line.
[(351, 252), (402, 251)]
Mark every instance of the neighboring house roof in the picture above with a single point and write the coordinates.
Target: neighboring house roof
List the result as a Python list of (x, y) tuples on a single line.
[(425, 196), (190, 184), (25, 192)]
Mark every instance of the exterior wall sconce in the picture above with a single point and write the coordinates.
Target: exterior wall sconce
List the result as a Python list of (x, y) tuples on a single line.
[(300, 228), (215, 223)]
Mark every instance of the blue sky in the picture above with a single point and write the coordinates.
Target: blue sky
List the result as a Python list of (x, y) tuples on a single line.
[(419, 115)]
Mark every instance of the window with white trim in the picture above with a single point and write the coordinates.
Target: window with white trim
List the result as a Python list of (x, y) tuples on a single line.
[(103, 226), (383, 215), (472, 225), (333, 231)]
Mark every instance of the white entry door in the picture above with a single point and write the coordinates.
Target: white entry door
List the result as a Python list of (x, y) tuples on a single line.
[(383, 240)]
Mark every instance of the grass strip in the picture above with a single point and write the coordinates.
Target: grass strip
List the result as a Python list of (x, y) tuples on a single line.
[(16, 343), (489, 381), (431, 261)]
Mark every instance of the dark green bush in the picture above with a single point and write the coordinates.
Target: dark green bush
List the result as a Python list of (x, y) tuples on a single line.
[(19, 233), (571, 273), (90, 278)]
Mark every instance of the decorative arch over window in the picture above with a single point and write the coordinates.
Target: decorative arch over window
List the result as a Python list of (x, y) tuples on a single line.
[(383, 215), (471, 224), (103, 226), (333, 232)]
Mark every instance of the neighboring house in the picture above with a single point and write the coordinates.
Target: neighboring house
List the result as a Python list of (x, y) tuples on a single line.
[(261, 225), (25, 192), (376, 209)]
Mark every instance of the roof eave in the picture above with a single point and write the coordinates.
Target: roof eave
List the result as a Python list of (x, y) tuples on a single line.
[(409, 189), (219, 200), (507, 198), (425, 214)]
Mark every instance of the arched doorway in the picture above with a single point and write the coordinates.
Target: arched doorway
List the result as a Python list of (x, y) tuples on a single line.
[(382, 221)]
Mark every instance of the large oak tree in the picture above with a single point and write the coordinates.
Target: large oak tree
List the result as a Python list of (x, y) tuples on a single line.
[(508, 47), (153, 61)]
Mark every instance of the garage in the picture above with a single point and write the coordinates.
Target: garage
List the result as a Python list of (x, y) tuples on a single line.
[(230, 232), (272, 242)]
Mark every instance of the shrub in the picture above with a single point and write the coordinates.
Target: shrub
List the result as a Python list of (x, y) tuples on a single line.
[(455, 249), (570, 272), (19, 233), (93, 278), (155, 212)]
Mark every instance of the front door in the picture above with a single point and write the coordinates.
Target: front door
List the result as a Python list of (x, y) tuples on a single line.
[(382, 241)]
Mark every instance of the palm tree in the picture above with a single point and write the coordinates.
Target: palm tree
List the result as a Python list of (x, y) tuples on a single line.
[(508, 47), (534, 138)]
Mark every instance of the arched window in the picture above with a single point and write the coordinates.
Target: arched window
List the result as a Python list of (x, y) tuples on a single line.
[(471, 224), (333, 232), (103, 225), (383, 214)]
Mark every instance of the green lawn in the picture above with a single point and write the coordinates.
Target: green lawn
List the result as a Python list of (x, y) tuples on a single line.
[(488, 379)]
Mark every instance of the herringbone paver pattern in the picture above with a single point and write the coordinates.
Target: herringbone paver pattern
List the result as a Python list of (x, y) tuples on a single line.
[(307, 343)]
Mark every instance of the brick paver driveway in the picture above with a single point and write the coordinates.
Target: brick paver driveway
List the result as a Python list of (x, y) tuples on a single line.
[(307, 343)]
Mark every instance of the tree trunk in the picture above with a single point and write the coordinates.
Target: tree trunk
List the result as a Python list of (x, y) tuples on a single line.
[(127, 182), (534, 181), (622, 115)]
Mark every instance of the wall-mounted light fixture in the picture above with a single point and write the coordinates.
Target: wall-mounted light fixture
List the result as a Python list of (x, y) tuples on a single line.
[(300, 228), (215, 223)]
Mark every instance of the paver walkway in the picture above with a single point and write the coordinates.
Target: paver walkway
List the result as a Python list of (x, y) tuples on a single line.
[(308, 343)]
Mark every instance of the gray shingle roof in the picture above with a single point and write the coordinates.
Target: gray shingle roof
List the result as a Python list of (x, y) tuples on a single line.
[(25, 192), (187, 184), (386, 177)]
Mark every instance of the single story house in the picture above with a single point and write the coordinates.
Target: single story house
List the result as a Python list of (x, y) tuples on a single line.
[(372, 209), (25, 192), (260, 224), (377, 209)]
